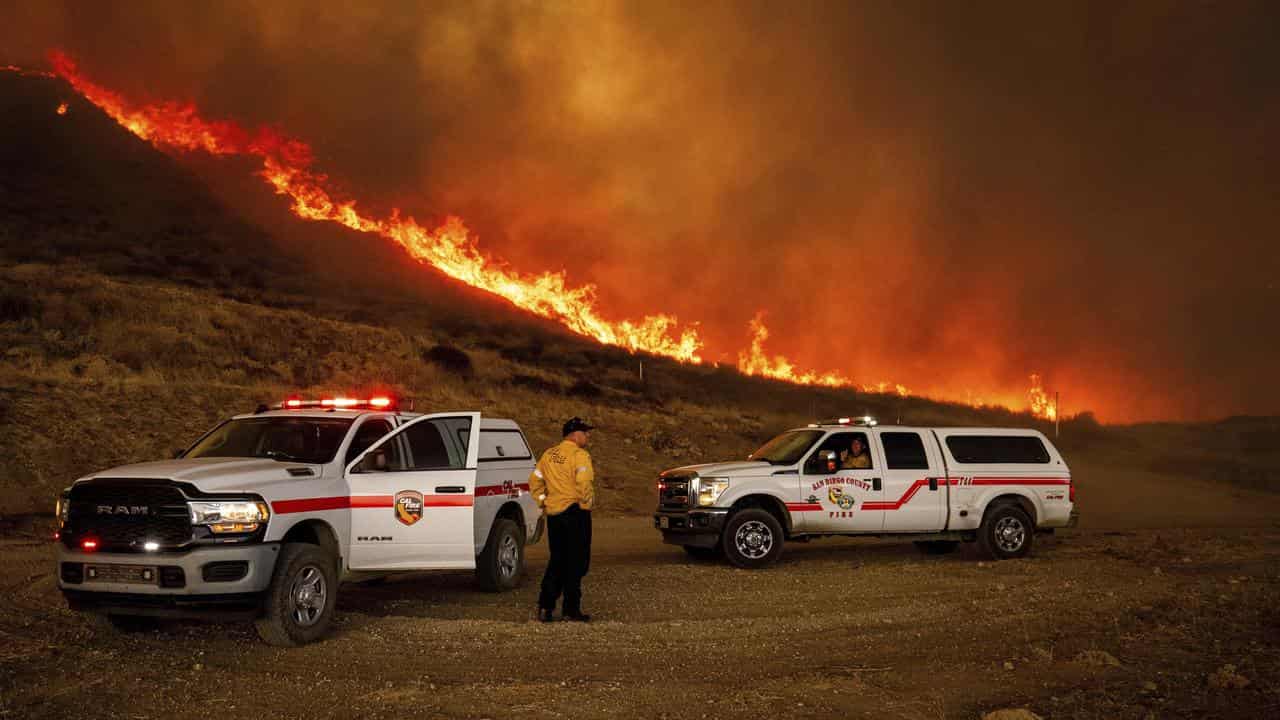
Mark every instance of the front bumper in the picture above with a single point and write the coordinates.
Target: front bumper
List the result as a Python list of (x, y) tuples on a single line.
[(179, 584), (698, 528)]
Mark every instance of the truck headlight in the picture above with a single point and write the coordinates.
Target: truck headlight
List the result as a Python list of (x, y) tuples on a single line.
[(710, 489), (229, 516)]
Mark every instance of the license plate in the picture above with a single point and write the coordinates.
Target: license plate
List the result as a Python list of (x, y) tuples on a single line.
[(130, 574), (664, 522)]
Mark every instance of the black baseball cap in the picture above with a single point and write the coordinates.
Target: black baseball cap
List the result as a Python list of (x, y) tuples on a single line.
[(575, 424)]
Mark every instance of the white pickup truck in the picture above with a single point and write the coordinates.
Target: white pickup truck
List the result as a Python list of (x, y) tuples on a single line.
[(266, 513), (937, 486)]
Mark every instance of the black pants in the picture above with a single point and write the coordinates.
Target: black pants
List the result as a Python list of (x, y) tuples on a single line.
[(569, 537)]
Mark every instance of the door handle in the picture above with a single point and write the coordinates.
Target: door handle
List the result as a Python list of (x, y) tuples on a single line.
[(450, 489), (875, 484), (933, 483)]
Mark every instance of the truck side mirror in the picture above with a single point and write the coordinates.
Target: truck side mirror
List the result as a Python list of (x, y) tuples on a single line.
[(831, 460)]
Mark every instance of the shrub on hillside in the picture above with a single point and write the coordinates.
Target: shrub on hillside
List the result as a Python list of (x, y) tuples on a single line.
[(16, 303), (585, 389), (528, 353), (450, 359), (535, 383)]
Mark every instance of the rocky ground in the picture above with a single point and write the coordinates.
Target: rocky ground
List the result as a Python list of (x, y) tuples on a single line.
[(1096, 624)]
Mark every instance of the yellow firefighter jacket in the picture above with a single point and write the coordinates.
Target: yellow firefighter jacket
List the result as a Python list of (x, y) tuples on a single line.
[(563, 477)]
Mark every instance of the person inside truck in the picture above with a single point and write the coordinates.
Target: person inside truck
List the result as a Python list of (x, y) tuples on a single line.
[(856, 457)]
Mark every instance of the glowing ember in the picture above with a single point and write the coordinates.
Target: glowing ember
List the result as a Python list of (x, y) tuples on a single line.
[(62, 108)]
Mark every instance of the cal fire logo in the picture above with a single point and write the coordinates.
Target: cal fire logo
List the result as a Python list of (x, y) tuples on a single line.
[(408, 506)]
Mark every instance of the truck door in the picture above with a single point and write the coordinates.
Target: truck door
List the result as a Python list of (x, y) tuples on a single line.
[(841, 479), (412, 496), (915, 489)]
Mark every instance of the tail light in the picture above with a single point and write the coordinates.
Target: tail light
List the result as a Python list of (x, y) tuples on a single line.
[(1071, 489)]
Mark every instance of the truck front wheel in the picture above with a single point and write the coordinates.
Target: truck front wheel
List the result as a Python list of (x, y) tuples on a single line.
[(300, 600), (752, 539), (1006, 532), (501, 563)]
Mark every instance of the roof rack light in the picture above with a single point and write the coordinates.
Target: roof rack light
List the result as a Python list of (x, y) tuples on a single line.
[(863, 421), (377, 402)]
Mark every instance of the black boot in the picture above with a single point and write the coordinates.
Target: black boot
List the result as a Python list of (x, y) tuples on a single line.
[(546, 616), (577, 617)]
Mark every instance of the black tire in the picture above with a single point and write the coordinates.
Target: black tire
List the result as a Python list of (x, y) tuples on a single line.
[(301, 597), (752, 539), (937, 547), (704, 553), (1006, 532), (500, 566)]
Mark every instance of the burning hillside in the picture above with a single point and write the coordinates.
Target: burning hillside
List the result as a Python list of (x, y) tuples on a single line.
[(288, 166)]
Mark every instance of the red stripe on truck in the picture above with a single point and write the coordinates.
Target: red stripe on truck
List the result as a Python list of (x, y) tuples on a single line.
[(356, 502), (489, 490), (915, 487)]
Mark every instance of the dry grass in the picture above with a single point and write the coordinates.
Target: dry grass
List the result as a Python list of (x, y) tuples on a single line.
[(101, 371)]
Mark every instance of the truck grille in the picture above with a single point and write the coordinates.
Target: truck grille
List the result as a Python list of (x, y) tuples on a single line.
[(674, 494), (122, 515)]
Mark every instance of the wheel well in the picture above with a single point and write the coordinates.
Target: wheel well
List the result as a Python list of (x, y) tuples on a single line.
[(315, 532), (514, 512), (1020, 500), (768, 503)]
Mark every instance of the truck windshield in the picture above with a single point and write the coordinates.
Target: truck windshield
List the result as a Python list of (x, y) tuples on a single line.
[(291, 439), (786, 448)]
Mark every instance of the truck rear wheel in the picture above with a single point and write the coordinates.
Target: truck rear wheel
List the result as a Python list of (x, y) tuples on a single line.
[(301, 597), (752, 539), (500, 566), (1006, 532)]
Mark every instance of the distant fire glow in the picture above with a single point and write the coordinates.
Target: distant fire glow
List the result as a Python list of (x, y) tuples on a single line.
[(287, 166)]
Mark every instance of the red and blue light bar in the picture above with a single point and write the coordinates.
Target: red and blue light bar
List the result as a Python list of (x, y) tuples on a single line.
[(376, 402)]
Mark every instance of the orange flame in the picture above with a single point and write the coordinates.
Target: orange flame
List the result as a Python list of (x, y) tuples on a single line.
[(1038, 400), (755, 361), (286, 166), (449, 248)]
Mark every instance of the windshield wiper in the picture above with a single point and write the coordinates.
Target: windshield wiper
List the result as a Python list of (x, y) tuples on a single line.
[(281, 456)]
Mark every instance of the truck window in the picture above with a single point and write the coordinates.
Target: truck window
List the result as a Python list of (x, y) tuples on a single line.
[(429, 446), (292, 439), (904, 451), (786, 448), (997, 449), (366, 435), (503, 445), (842, 444)]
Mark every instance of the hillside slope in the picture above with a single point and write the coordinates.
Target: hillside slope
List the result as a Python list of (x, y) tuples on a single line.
[(138, 307)]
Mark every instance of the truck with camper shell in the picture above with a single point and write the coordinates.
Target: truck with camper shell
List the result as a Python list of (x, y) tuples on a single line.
[(852, 477), (264, 516)]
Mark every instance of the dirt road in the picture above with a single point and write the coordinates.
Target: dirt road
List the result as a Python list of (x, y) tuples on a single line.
[(1096, 624)]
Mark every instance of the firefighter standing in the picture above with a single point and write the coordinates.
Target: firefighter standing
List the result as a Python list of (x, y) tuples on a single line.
[(563, 485)]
